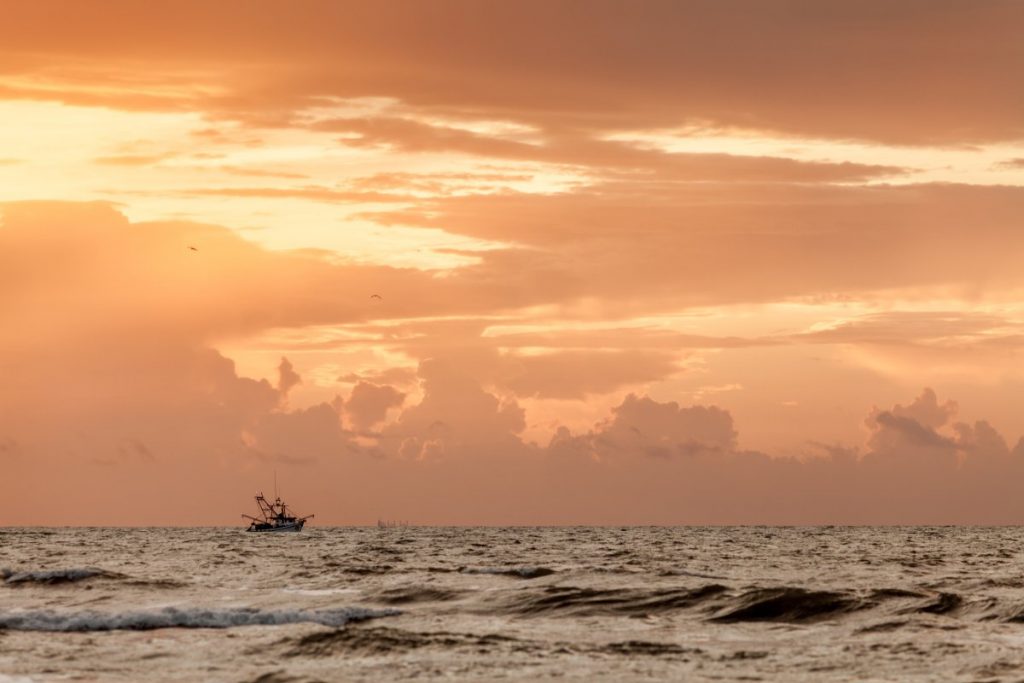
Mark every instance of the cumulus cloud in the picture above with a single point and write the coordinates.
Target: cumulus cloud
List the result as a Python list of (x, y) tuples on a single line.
[(302, 436), (368, 405), (928, 431), (455, 418), (287, 377), (641, 426), (108, 383)]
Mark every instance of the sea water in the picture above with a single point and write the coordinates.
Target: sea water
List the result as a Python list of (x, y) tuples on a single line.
[(470, 604)]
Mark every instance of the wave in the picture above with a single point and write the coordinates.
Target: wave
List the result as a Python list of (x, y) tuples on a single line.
[(412, 594), (56, 576), (517, 572), (696, 575), (573, 601), (896, 593), (155, 583), (943, 603), (788, 604), (884, 627), (1012, 613), (172, 617), (279, 676), (361, 570), (383, 641), (51, 577), (647, 648), (781, 604)]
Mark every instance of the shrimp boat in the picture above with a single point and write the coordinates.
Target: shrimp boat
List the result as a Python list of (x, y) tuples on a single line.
[(275, 517)]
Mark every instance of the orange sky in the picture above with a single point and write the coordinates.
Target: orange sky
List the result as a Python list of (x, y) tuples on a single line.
[(708, 262)]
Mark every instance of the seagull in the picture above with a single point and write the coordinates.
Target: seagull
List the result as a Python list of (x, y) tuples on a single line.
[(191, 248), (376, 296)]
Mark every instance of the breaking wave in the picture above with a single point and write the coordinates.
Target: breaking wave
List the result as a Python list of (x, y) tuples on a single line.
[(171, 617)]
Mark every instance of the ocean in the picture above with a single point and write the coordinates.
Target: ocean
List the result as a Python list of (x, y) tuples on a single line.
[(477, 604)]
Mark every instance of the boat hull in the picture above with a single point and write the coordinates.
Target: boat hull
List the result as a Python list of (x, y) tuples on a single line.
[(293, 526)]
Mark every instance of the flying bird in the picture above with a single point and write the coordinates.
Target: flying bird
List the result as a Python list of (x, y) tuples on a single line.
[(376, 296), (191, 248)]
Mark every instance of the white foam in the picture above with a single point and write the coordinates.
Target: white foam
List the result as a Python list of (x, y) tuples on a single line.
[(172, 617)]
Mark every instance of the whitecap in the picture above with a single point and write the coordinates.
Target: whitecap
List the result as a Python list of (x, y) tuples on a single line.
[(173, 617)]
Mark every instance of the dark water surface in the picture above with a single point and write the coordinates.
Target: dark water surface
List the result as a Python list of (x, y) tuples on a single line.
[(684, 603)]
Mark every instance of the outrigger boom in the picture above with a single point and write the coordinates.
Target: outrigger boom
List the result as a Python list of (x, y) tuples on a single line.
[(275, 517)]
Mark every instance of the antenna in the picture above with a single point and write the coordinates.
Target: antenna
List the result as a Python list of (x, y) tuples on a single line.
[(275, 483)]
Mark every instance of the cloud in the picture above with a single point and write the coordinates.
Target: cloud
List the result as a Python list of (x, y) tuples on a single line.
[(566, 147), (574, 374), (981, 443), (109, 331), (926, 411), (664, 245), (72, 259), (928, 430), (287, 377), (456, 418), (399, 376), (530, 366), (936, 328), (310, 192), (302, 437), (261, 173), (912, 73), (634, 337), (640, 426), (368, 405), (130, 160)]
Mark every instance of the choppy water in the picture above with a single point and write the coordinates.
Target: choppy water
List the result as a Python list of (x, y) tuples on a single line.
[(699, 604)]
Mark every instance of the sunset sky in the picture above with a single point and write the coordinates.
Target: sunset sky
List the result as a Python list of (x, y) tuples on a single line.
[(713, 261)]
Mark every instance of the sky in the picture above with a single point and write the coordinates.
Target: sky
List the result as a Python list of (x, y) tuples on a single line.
[(459, 262)]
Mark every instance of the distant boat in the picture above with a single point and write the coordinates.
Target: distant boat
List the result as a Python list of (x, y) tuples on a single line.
[(275, 517), (391, 524)]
